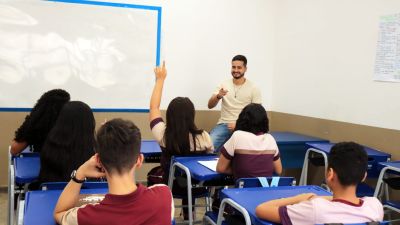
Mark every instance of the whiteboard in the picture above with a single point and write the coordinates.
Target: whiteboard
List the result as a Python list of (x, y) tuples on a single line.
[(102, 53)]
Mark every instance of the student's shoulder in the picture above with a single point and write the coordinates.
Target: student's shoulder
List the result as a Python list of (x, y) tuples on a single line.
[(159, 188), (240, 132), (372, 202)]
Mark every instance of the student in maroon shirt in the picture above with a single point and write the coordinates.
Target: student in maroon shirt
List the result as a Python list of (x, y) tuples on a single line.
[(117, 158)]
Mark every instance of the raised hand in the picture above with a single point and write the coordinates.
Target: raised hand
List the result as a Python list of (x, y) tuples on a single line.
[(160, 72)]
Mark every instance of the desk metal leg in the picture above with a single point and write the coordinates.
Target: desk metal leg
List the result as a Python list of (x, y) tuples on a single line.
[(189, 186), (11, 195), (228, 201), (379, 184), (304, 171)]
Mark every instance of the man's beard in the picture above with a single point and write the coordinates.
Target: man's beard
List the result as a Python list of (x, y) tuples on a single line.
[(238, 77)]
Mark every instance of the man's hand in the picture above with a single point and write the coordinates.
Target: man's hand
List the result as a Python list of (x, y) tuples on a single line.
[(231, 126), (221, 93), (91, 168), (160, 72)]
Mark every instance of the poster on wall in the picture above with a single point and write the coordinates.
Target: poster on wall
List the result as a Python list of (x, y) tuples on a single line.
[(387, 62)]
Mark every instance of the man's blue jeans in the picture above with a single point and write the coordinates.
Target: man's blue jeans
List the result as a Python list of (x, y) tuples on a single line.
[(219, 135)]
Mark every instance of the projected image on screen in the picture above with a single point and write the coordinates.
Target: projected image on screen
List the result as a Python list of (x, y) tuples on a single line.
[(102, 53)]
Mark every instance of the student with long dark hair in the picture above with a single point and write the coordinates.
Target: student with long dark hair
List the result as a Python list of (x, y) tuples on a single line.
[(38, 123), (251, 151), (69, 144), (179, 135)]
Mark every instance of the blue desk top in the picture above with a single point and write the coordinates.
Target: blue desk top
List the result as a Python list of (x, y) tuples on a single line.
[(26, 169), (198, 171), (250, 198), (294, 138), (39, 205), (150, 148), (395, 164), (326, 147), (27, 166)]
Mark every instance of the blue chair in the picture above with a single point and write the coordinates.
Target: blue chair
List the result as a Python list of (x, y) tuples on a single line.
[(61, 185), (14, 190), (216, 219), (261, 182), (182, 175)]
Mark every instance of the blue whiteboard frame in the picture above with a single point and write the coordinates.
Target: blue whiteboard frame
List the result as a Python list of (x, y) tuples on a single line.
[(111, 4)]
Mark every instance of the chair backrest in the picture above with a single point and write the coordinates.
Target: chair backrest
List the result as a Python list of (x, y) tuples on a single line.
[(61, 185), (52, 186), (368, 223), (265, 182)]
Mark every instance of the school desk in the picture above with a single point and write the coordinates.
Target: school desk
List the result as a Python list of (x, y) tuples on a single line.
[(39, 205), (374, 157), (381, 189), (27, 168), (292, 147), (151, 151), (193, 170), (250, 198)]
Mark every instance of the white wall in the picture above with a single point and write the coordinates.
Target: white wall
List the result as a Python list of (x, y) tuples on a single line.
[(200, 37), (325, 52)]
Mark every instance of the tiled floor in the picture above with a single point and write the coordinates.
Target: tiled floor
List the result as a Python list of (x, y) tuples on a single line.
[(199, 211)]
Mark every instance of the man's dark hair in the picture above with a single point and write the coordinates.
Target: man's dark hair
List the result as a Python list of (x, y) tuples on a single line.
[(240, 58), (350, 162), (253, 119), (118, 145)]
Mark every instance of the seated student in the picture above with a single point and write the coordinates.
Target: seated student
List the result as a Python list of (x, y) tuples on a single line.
[(251, 151), (347, 166), (38, 123), (69, 144), (179, 136), (118, 155)]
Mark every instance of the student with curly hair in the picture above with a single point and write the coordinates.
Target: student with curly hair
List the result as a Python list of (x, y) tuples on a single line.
[(38, 123), (69, 144), (251, 151)]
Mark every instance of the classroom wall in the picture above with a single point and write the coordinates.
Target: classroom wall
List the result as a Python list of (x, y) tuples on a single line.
[(324, 62), (199, 39), (313, 59)]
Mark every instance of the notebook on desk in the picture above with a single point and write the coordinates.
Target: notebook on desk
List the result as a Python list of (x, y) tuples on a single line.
[(210, 164), (89, 199)]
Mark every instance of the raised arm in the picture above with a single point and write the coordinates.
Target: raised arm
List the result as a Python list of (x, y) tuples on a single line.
[(161, 73), (216, 97)]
